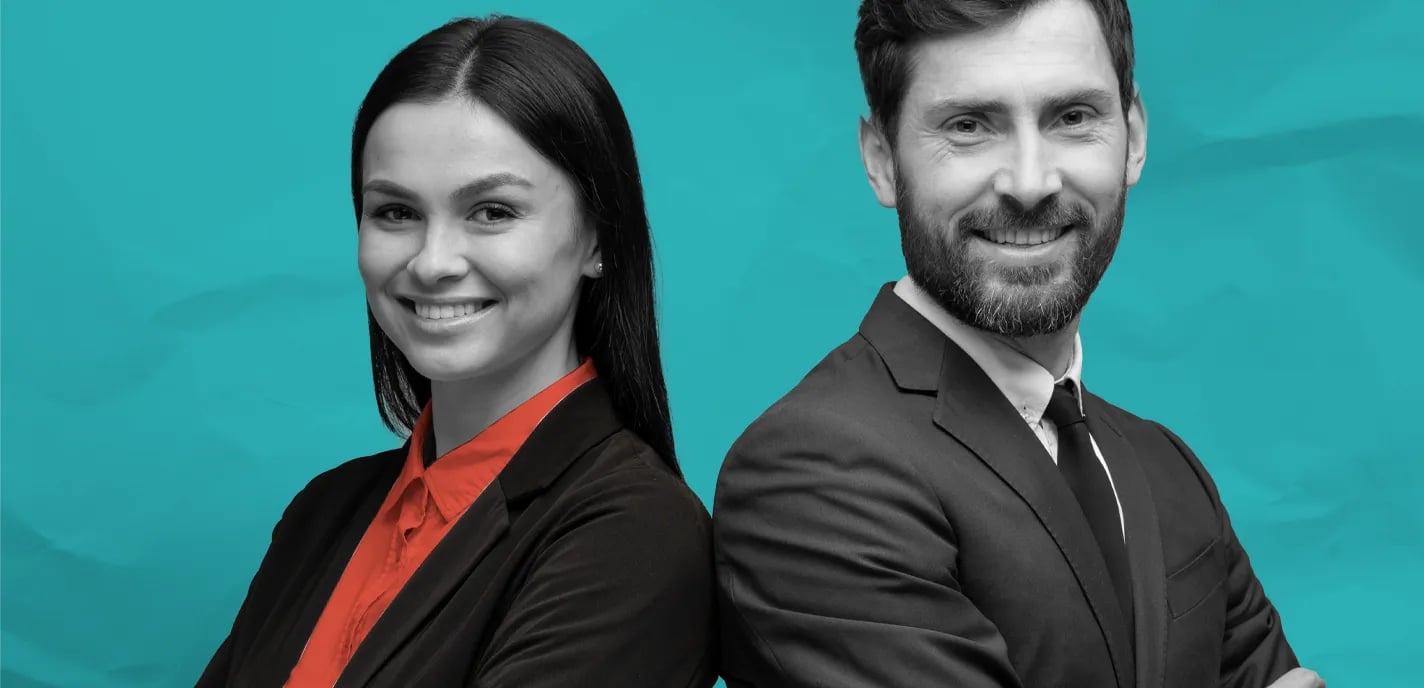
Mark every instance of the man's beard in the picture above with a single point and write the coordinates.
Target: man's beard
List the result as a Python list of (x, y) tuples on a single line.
[(1027, 301)]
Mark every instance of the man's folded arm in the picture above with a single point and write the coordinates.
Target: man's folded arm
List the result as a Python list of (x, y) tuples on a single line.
[(1254, 650)]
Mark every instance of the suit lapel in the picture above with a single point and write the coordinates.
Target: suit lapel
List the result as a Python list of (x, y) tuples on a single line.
[(583, 419), (1144, 542), (972, 410)]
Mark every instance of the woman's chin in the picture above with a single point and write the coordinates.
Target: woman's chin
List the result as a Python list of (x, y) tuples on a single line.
[(440, 369)]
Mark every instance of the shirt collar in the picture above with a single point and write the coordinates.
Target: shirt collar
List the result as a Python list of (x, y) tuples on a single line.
[(460, 475), (1026, 384)]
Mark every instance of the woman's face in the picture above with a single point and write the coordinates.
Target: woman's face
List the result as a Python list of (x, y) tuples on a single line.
[(472, 245)]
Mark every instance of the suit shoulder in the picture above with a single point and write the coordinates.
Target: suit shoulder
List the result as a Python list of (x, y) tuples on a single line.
[(846, 410), (835, 390), (1161, 440), (1137, 428)]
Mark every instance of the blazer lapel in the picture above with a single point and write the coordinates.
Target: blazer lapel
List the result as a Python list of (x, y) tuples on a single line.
[(584, 418), (972, 410), (286, 634), (434, 581), (1144, 542)]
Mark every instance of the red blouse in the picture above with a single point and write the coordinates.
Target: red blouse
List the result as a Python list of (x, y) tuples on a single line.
[(420, 508)]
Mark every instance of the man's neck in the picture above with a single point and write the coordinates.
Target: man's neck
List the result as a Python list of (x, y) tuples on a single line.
[(1052, 351)]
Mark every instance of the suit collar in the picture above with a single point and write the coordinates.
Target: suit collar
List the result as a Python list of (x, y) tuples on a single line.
[(1023, 381), (907, 342), (972, 409)]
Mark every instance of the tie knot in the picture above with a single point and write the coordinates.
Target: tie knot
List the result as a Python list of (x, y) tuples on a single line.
[(1063, 409)]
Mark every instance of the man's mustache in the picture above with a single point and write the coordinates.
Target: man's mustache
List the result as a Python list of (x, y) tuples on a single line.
[(1050, 214)]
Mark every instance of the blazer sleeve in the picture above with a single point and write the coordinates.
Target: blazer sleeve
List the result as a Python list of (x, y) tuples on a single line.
[(1254, 649), (836, 566), (622, 594), (219, 668)]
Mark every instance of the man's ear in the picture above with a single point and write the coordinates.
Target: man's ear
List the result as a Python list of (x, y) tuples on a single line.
[(1136, 137), (878, 157)]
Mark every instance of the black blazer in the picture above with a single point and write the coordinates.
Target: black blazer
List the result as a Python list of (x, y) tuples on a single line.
[(893, 522), (585, 563)]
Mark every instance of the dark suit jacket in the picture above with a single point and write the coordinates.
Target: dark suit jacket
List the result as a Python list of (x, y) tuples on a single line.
[(585, 563), (893, 522)]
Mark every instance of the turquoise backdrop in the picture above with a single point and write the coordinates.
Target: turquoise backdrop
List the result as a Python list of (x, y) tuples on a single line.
[(184, 340)]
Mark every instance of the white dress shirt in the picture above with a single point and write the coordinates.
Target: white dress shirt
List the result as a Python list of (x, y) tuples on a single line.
[(1026, 384)]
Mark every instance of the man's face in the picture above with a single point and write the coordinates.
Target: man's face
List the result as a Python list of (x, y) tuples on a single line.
[(1010, 168)]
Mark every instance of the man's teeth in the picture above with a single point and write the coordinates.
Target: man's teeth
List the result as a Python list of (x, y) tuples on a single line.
[(445, 312), (1022, 237)]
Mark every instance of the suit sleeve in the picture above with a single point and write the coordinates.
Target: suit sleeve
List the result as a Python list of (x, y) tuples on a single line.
[(621, 596), (836, 566), (1254, 649)]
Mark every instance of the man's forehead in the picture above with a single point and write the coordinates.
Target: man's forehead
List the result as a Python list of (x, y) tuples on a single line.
[(1055, 45)]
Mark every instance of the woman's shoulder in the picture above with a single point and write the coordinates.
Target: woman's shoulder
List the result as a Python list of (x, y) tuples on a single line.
[(625, 470), (623, 503), (350, 480)]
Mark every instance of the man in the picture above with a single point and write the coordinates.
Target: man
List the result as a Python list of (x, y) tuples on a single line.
[(929, 506)]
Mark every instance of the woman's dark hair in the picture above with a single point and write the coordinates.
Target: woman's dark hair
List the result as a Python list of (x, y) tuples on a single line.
[(551, 92)]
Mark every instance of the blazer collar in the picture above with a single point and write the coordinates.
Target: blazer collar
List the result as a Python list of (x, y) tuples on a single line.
[(972, 409), (583, 419)]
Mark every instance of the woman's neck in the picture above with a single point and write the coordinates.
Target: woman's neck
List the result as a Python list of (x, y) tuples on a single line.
[(462, 409)]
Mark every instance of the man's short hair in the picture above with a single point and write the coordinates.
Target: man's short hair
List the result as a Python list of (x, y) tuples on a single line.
[(888, 29)]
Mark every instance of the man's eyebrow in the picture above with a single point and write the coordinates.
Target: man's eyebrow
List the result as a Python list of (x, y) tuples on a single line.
[(990, 106), (1091, 96)]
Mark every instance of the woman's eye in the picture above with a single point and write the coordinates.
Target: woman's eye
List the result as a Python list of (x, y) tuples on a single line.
[(493, 213), (396, 214)]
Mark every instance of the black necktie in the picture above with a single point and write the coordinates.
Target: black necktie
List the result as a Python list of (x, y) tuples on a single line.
[(1085, 475)]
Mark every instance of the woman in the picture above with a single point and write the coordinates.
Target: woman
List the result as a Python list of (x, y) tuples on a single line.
[(535, 529)]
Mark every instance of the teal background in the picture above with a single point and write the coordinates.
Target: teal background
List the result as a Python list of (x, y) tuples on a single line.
[(184, 340)]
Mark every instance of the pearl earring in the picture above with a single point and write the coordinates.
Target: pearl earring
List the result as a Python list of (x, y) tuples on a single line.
[(599, 268)]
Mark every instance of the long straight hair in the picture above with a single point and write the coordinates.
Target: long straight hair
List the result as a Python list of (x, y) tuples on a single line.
[(550, 91)]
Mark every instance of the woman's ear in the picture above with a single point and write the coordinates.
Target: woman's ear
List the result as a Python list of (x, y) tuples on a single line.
[(593, 262), (592, 266)]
